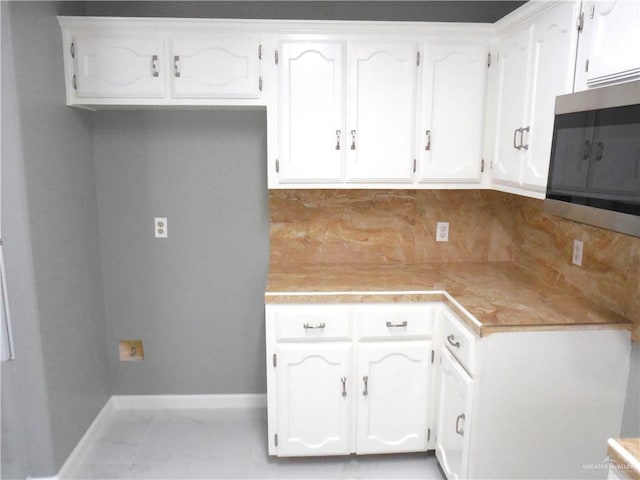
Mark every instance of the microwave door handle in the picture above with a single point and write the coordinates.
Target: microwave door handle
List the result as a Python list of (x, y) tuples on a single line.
[(587, 150), (600, 153)]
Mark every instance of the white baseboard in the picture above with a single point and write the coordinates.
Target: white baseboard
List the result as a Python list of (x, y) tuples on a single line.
[(245, 400), (118, 402), (85, 442)]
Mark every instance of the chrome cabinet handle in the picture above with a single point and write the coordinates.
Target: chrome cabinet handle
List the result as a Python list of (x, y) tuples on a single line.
[(176, 65), (587, 150), (460, 431), (600, 151), (365, 392), (154, 65), (397, 325), (450, 339), (320, 326), (337, 139), (353, 139), (523, 131), (344, 386), (515, 134), (428, 145)]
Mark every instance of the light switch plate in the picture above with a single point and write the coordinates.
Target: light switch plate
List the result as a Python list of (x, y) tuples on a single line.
[(160, 227), (578, 248), (442, 232)]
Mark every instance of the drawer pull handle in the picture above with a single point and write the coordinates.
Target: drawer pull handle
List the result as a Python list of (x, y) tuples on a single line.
[(344, 386), (459, 430), (451, 339), (365, 392), (397, 325), (320, 326)]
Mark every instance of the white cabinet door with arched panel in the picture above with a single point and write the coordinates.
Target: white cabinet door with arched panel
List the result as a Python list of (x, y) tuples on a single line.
[(381, 111), (119, 65), (215, 66), (314, 399), (452, 113), (392, 406), (553, 53), (454, 422), (513, 91), (311, 113)]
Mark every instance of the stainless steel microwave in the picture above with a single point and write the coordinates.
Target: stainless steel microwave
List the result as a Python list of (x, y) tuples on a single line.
[(594, 172)]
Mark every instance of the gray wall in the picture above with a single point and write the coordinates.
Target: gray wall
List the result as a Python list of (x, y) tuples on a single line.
[(416, 11), (50, 232), (196, 299)]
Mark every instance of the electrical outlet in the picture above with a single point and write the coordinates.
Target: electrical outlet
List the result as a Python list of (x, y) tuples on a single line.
[(578, 248), (160, 225), (442, 232)]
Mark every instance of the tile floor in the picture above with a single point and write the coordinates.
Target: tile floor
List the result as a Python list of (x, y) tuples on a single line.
[(221, 443)]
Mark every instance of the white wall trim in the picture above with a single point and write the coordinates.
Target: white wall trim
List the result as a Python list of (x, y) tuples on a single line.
[(133, 402), (245, 400), (85, 442)]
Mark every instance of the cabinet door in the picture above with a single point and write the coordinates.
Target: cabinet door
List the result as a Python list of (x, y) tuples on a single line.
[(454, 411), (450, 136), (613, 50), (552, 65), (392, 407), (214, 66), (314, 397), (512, 98), (381, 112), (123, 65), (311, 108)]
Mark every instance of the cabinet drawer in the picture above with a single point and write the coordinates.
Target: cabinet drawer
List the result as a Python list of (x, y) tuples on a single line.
[(395, 322), (316, 323), (458, 340)]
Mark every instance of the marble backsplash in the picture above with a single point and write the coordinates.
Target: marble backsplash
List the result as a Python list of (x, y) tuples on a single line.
[(398, 227)]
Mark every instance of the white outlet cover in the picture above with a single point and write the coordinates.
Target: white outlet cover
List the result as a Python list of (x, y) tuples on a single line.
[(442, 232), (160, 227), (578, 248)]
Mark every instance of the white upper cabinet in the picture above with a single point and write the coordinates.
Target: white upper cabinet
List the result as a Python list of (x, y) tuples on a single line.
[(381, 97), (553, 53), (215, 66), (536, 64), (513, 55), (609, 47), (452, 113), (125, 64), (311, 112), (392, 407)]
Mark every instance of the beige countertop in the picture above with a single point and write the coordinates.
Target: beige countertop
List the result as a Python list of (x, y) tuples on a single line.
[(501, 296), (625, 455)]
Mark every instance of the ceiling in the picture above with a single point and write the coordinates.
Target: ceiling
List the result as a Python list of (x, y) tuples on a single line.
[(414, 11)]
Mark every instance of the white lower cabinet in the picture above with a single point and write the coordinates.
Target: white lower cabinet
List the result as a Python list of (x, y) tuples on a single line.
[(454, 417), (313, 399), (389, 378), (335, 390), (394, 381)]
